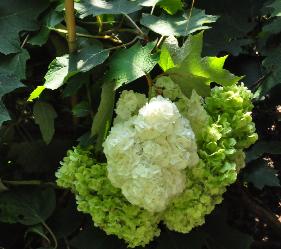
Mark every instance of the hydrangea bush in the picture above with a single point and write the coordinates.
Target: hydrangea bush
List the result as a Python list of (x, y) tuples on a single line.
[(169, 158)]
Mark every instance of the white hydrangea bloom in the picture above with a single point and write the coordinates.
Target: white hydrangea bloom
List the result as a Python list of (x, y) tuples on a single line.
[(191, 108), (128, 105), (167, 87), (147, 154)]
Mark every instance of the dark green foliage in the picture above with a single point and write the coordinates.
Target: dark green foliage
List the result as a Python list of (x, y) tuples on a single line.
[(28, 206), (119, 48)]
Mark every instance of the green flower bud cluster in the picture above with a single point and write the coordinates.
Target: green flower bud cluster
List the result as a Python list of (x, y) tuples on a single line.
[(220, 148), (108, 207), (233, 104), (223, 127), (202, 193)]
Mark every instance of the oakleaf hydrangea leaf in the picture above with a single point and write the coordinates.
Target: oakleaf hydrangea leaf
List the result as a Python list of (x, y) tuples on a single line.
[(17, 16), (276, 5), (130, 64), (272, 66), (180, 25), (273, 27), (36, 93), (27, 206), (52, 19), (101, 7), (165, 61), (227, 35), (15, 63), (8, 83), (263, 147), (176, 52), (262, 175), (44, 115), (230, 33), (4, 114), (149, 3), (66, 66), (170, 6), (197, 73)]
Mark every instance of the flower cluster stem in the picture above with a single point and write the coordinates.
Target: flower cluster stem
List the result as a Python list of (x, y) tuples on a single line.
[(71, 26)]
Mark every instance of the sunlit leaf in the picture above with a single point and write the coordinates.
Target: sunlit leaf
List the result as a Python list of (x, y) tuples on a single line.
[(165, 60), (180, 25), (195, 72), (101, 7), (149, 3), (171, 6), (130, 64), (66, 66), (36, 93)]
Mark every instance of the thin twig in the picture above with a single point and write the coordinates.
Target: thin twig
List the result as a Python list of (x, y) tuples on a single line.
[(51, 233), (108, 37), (24, 41), (134, 24), (189, 16), (66, 242), (125, 44), (149, 81), (96, 23), (152, 9), (162, 38), (133, 31), (259, 81)]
